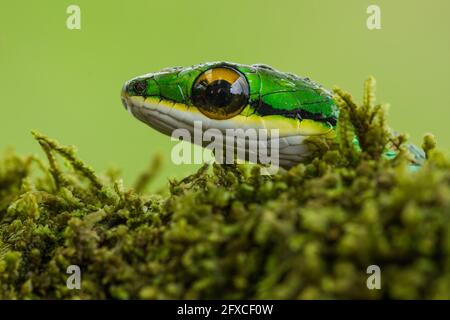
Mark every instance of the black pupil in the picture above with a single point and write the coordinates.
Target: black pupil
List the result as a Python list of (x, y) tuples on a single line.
[(220, 99), (218, 93)]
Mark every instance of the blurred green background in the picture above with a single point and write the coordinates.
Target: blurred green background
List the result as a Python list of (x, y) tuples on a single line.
[(66, 83)]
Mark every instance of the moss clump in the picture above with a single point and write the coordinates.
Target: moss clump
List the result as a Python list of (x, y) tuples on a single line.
[(230, 232)]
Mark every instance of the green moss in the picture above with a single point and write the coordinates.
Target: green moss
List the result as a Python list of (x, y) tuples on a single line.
[(230, 232)]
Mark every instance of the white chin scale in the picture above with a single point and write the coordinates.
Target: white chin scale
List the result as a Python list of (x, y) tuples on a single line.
[(164, 118)]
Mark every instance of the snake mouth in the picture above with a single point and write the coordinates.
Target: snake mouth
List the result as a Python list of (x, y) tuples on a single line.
[(124, 103), (154, 113), (152, 110), (167, 116), (158, 120), (124, 97)]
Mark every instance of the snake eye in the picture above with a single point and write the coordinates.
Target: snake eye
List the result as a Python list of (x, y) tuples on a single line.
[(220, 93), (140, 86)]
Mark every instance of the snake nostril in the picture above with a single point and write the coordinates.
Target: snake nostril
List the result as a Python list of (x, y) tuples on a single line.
[(140, 86)]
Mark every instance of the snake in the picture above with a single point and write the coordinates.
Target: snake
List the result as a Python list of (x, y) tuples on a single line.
[(225, 95)]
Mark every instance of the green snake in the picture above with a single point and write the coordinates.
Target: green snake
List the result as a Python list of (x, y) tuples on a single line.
[(224, 95)]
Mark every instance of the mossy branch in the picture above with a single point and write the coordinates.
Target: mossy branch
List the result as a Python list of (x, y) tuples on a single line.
[(367, 121), (231, 233), (428, 144), (50, 146)]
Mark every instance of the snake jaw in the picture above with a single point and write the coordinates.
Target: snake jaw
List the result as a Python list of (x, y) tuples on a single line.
[(295, 107), (124, 96), (165, 117)]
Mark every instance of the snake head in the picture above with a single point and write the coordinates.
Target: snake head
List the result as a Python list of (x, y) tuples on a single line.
[(228, 95), (224, 95)]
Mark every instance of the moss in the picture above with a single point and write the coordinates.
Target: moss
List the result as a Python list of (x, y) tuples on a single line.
[(229, 232)]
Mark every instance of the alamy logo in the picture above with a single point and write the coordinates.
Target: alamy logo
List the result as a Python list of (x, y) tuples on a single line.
[(74, 280), (236, 145), (73, 21), (374, 280), (374, 19)]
